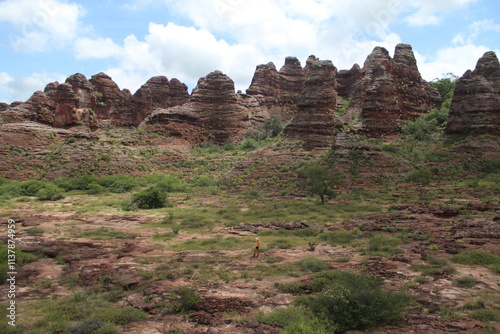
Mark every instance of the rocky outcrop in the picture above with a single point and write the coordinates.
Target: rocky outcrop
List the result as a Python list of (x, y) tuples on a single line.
[(95, 102), (212, 112), (278, 91), (475, 107), (381, 111), (415, 95), (158, 92), (387, 90), (313, 123)]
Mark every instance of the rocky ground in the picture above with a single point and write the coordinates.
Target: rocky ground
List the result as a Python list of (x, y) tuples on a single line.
[(232, 285)]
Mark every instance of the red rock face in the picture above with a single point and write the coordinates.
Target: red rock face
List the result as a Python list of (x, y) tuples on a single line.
[(314, 123), (213, 112), (415, 95), (278, 91), (158, 92), (387, 91), (475, 107)]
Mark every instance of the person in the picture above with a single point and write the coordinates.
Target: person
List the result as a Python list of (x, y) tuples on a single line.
[(256, 251)]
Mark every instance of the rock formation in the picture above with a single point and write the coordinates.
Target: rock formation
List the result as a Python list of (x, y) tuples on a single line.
[(212, 112), (95, 102), (387, 90), (475, 107), (313, 123), (278, 91)]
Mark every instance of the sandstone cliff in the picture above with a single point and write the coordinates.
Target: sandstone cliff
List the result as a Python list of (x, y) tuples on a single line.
[(313, 123), (475, 107), (387, 90), (212, 113), (95, 102)]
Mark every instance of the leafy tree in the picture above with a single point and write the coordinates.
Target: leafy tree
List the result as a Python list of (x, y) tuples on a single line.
[(421, 178), (152, 198), (319, 181), (445, 86)]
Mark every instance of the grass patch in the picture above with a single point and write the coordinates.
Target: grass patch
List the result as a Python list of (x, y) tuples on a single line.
[(81, 311), (106, 234), (485, 315), (476, 258), (465, 282)]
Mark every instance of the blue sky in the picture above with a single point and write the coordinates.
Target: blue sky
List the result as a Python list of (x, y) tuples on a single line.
[(43, 41)]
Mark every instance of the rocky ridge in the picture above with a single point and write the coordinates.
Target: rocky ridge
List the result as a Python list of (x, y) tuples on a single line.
[(380, 96)]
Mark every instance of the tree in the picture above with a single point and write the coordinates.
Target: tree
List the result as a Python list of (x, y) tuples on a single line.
[(421, 178), (319, 181)]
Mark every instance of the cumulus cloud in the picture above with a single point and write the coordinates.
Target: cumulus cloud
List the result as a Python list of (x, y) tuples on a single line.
[(40, 24), (474, 30), (19, 88), (431, 12), (453, 59), (87, 48)]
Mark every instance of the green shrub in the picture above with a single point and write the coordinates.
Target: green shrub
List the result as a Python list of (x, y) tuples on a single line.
[(204, 181), (249, 144), (118, 183), (465, 282), (11, 189), (485, 315), (183, 300), (50, 192), (31, 188), (166, 182), (349, 301), (382, 245), (95, 188), (281, 244), (310, 264), (152, 198), (78, 183), (476, 258)]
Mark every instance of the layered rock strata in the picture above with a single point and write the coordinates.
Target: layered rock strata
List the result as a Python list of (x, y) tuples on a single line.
[(475, 107), (212, 113), (313, 123), (387, 90)]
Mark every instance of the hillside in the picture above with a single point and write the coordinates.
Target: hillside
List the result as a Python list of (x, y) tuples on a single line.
[(374, 193)]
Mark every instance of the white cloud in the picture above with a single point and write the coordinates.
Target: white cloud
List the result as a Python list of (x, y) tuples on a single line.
[(455, 59), (474, 30), (431, 12), (40, 24), (19, 88), (86, 48)]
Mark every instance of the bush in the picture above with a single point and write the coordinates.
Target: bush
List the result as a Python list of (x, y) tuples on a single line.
[(311, 264), (151, 198), (465, 282), (118, 183), (350, 301), (50, 192), (183, 300), (78, 183), (167, 182), (249, 144)]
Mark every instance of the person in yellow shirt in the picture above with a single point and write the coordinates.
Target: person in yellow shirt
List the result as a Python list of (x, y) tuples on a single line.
[(256, 251)]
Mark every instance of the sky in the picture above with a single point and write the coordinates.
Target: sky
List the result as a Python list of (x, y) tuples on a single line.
[(43, 41)]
